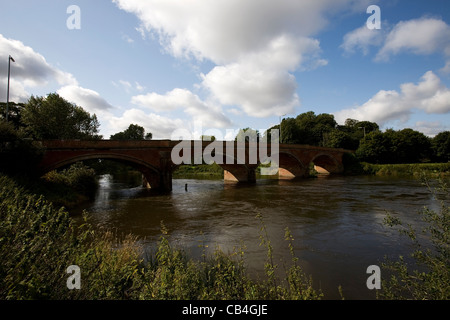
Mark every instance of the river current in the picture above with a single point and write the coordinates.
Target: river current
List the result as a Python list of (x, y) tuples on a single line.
[(336, 222)]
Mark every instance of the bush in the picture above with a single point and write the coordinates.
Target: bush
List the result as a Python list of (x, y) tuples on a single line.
[(427, 277), (17, 153), (78, 177)]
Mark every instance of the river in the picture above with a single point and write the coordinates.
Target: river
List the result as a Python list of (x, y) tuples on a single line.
[(336, 222)]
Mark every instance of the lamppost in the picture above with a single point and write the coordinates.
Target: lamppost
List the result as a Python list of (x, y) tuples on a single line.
[(364, 130), (281, 135), (7, 93)]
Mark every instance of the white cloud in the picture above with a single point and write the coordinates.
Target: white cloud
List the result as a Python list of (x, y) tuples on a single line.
[(430, 128), (189, 102), (429, 95), (419, 36), (88, 99), (423, 36), (255, 44), (362, 39), (222, 30), (161, 127), (261, 82), (29, 70)]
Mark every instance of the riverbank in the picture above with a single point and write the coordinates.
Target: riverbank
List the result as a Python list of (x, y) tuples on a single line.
[(434, 170), (352, 167)]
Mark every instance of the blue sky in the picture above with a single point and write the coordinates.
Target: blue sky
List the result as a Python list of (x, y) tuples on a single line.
[(217, 66)]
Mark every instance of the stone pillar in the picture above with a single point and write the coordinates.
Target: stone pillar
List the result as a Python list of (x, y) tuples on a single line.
[(239, 173), (166, 171)]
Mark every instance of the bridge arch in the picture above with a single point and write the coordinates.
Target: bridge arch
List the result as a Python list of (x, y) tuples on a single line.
[(290, 167), (326, 163), (151, 175)]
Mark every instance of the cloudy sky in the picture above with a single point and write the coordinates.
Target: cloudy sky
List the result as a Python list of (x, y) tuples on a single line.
[(226, 64)]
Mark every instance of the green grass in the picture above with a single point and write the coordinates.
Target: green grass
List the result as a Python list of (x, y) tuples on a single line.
[(416, 169)]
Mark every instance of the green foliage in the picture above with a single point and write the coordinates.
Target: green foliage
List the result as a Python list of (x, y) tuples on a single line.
[(133, 132), (323, 130), (340, 139), (198, 171), (441, 146), (404, 146), (15, 113), (247, 135), (427, 277), (53, 117), (17, 153), (78, 176)]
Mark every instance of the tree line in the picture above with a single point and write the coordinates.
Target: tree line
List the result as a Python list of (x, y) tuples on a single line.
[(365, 137), (53, 117)]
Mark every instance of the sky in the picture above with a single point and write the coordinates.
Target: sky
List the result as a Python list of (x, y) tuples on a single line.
[(214, 66)]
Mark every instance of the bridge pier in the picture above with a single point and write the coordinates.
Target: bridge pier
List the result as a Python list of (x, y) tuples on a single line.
[(239, 173), (162, 180)]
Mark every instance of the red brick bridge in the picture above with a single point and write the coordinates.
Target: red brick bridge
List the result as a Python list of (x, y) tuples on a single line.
[(154, 157)]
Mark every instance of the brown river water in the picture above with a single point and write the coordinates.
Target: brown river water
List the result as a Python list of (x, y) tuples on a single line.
[(336, 222)]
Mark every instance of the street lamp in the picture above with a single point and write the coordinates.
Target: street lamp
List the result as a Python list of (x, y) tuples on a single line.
[(7, 93), (281, 135), (364, 130)]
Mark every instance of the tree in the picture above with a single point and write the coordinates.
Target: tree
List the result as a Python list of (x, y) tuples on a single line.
[(17, 153), (410, 146), (133, 132), (404, 146), (440, 145), (290, 133), (207, 138), (247, 135), (312, 128), (340, 139), (375, 147), (15, 113), (148, 136), (53, 117)]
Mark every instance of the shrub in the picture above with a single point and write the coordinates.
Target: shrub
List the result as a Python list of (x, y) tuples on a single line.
[(428, 277)]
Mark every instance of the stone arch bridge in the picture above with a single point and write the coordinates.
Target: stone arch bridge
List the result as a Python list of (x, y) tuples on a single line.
[(153, 158)]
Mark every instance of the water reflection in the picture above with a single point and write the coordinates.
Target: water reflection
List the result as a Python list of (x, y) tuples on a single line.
[(336, 221)]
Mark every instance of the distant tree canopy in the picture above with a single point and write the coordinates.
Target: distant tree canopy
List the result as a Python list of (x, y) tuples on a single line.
[(371, 145), (133, 132), (15, 113), (404, 146), (323, 130), (53, 117), (247, 135), (441, 146)]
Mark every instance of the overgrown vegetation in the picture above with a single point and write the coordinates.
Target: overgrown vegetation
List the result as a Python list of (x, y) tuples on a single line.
[(425, 273), (38, 242)]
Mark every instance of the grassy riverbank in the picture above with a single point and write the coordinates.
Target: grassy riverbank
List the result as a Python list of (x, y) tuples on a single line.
[(415, 169), (352, 167)]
